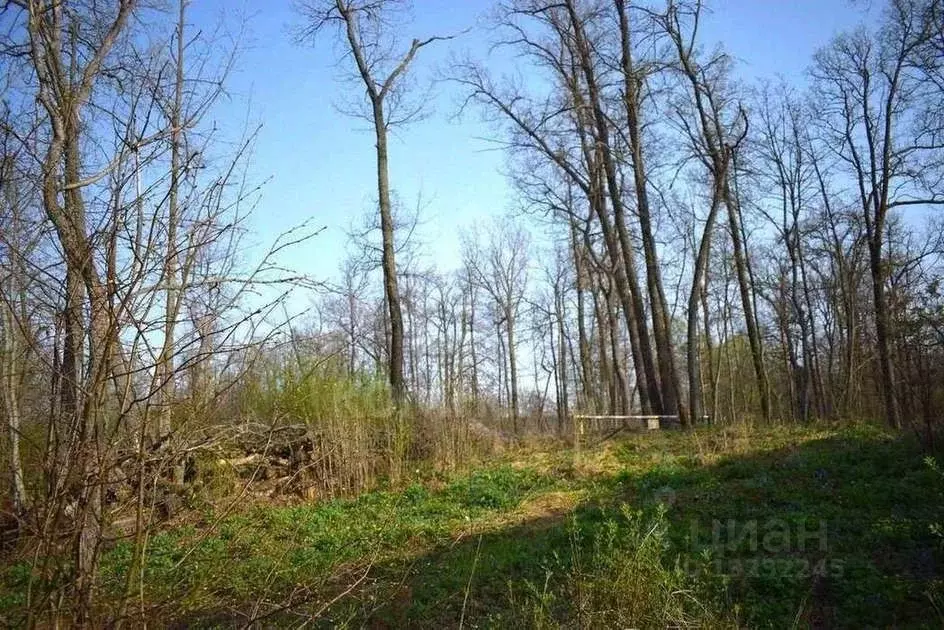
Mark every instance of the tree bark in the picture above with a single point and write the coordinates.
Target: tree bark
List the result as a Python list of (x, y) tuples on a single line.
[(395, 366), (745, 288), (698, 290), (626, 256), (661, 327), (10, 395)]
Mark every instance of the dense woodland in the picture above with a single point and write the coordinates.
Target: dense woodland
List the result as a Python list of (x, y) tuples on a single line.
[(684, 243)]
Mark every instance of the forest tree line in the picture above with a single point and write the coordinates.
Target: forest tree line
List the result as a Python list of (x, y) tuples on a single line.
[(684, 243)]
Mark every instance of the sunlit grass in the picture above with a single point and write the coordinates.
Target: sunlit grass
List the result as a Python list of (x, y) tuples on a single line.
[(644, 531)]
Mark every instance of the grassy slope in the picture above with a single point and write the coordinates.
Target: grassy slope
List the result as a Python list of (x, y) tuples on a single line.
[(539, 542)]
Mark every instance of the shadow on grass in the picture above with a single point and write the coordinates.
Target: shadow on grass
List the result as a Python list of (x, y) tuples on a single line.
[(827, 533)]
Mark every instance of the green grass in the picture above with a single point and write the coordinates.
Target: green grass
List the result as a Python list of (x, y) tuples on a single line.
[(861, 501), (781, 527)]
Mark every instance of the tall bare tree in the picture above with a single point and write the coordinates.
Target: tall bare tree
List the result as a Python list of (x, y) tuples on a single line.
[(714, 141), (370, 42), (68, 51), (872, 94)]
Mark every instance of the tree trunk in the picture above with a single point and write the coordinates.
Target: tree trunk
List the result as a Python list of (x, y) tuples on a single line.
[(563, 403), (165, 367), (391, 292), (607, 377), (586, 373), (747, 300), (883, 332), (10, 395), (635, 309), (512, 368), (661, 327), (472, 351), (699, 283)]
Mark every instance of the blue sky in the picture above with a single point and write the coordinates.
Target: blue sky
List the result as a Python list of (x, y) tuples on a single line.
[(320, 163)]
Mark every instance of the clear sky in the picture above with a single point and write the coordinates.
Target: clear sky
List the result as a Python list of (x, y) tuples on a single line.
[(321, 162)]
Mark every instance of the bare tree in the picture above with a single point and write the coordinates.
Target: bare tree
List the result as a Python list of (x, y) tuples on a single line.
[(714, 141), (635, 77), (67, 52), (502, 272), (367, 32), (16, 245), (872, 90)]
